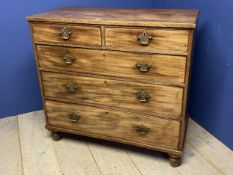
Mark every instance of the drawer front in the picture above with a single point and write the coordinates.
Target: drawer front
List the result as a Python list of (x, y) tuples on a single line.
[(149, 99), (67, 34), (145, 129), (151, 67), (147, 40)]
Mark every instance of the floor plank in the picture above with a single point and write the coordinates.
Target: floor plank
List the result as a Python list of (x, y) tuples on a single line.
[(151, 162), (10, 154), (38, 152), (75, 157), (210, 149), (194, 164), (112, 159), (199, 157)]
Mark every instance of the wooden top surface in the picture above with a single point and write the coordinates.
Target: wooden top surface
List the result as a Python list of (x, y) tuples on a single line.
[(115, 16)]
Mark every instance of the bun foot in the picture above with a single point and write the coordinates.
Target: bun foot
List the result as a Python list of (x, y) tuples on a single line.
[(56, 136), (174, 161)]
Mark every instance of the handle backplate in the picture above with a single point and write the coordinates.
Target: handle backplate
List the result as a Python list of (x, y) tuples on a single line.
[(74, 117), (143, 96), (143, 67), (144, 38), (71, 87), (143, 130), (65, 33), (68, 59)]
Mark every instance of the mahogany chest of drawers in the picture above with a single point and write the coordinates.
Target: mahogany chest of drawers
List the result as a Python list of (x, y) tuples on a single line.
[(116, 74)]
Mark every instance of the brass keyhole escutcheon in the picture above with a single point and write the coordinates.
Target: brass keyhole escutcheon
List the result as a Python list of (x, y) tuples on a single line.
[(144, 38)]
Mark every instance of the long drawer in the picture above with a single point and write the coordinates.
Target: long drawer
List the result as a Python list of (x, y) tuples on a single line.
[(147, 40), (143, 98), (67, 34), (147, 67), (116, 124)]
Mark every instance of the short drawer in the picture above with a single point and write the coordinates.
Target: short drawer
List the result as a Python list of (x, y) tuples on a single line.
[(67, 34), (146, 67), (115, 124), (148, 40), (143, 98)]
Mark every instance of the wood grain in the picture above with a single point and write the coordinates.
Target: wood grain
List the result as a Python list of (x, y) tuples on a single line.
[(112, 139), (163, 39), (10, 159), (80, 35), (115, 124), (112, 63), (203, 154), (38, 71), (129, 50), (186, 95), (104, 44), (112, 160), (182, 18), (38, 155), (207, 150), (151, 163), (164, 101), (75, 157)]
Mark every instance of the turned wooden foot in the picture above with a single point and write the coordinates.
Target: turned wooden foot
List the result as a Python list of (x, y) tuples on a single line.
[(174, 161), (56, 136)]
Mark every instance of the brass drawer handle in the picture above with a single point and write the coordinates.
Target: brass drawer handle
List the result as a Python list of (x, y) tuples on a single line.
[(71, 87), (74, 117), (143, 96), (144, 38), (68, 59), (65, 33), (143, 130), (143, 67)]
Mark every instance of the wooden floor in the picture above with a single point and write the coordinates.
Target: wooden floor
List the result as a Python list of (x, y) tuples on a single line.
[(26, 148)]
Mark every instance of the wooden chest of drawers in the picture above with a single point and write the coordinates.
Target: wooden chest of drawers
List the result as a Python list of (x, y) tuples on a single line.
[(116, 74)]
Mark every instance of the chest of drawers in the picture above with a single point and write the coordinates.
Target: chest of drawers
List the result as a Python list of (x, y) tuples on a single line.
[(116, 74)]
